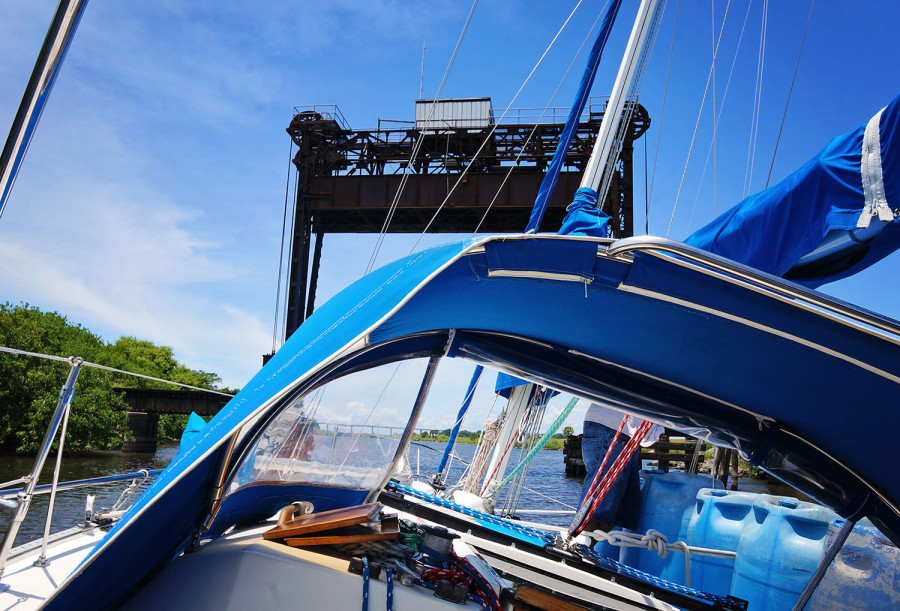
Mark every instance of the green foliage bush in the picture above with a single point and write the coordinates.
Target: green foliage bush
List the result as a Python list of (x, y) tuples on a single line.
[(29, 385)]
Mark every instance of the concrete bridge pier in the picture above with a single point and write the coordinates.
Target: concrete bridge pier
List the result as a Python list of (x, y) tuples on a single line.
[(143, 426)]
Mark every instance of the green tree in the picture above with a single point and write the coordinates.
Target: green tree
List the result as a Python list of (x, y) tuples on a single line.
[(29, 386), (568, 430)]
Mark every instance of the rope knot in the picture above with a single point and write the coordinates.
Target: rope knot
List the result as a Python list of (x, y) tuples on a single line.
[(656, 541)]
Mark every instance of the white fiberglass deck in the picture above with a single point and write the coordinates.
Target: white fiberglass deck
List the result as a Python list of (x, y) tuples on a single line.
[(28, 586)]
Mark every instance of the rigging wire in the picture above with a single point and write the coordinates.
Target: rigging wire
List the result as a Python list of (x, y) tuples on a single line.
[(287, 192), (493, 129), (790, 91), (68, 360), (719, 114), (757, 101), (662, 112), (515, 164), (287, 283), (549, 498), (418, 145), (712, 6), (699, 116)]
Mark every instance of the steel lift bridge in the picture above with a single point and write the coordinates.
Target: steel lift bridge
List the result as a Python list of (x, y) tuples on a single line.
[(347, 179)]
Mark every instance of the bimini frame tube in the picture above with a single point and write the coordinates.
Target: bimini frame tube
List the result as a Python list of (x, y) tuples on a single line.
[(46, 69), (425, 387), (60, 415)]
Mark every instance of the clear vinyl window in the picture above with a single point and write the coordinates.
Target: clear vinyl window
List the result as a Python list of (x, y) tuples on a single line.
[(344, 434)]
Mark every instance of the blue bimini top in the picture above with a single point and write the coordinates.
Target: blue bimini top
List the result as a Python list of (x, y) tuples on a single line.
[(742, 359)]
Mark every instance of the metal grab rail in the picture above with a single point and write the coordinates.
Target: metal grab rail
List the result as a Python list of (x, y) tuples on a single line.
[(23, 502), (84, 483), (750, 275)]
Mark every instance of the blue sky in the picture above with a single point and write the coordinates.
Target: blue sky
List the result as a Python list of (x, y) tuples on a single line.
[(150, 202)]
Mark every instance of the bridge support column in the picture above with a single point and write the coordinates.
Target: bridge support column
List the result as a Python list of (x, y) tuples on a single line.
[(143, 426)]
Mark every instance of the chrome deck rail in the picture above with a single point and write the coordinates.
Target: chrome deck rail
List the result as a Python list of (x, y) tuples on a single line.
[(83, 483), (23, 498), (648, 244)]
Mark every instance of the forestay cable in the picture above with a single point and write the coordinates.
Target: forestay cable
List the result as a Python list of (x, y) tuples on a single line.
[(790, 91), (662, 115), (534, 129), (757, 101), (418, 144), (719, 114)]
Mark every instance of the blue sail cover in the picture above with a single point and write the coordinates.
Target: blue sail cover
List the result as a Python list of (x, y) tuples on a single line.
[(584, 217), (688, 349), (821, 207)]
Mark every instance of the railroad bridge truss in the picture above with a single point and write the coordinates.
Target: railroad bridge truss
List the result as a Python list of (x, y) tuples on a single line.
[(461, 172)]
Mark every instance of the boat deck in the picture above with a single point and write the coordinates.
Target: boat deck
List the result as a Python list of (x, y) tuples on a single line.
[(26, 586)]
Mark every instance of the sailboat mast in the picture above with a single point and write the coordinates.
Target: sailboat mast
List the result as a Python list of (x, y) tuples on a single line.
[(609, 127), (56, 45)]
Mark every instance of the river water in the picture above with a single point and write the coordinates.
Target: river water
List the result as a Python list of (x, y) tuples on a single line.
[(547, 487), (69, 506)]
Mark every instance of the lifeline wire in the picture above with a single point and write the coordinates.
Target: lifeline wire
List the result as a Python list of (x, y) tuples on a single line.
[(63, 359)]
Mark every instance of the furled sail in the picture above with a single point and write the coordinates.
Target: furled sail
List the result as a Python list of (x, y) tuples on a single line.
[(833, 217)]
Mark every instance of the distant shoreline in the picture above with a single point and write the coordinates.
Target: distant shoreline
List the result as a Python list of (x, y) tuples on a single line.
[(552, 444)]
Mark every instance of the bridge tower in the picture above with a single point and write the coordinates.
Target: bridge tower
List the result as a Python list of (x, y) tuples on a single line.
[(347, 179)]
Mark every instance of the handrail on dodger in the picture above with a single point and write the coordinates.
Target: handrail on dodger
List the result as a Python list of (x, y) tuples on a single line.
[(729, 268)]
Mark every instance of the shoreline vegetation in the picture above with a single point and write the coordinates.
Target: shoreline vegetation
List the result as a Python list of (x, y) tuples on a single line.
[(29, 386), (471, 438)]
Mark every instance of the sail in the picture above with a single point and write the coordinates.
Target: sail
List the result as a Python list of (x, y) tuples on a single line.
[(828, 220)]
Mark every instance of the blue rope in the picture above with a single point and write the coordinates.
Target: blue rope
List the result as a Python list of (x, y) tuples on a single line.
[(624, 569), (542, 536), (365, 603), (390, 589)]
